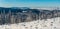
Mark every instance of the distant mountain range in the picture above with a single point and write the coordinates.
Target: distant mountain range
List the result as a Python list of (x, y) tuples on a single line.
[(21, 9), (26, 9)]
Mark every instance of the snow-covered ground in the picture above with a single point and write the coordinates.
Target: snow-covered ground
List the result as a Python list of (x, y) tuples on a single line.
[(53, 23)]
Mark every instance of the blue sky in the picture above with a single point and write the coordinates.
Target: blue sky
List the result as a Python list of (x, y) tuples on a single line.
[(29, 3)]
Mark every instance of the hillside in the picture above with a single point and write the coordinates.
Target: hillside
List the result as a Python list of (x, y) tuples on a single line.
[(53, 23)]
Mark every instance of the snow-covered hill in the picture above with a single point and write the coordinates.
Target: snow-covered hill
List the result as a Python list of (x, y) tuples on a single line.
[(53, 23)]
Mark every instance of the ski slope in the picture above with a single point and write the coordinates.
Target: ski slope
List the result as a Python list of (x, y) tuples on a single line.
[(53, 23)]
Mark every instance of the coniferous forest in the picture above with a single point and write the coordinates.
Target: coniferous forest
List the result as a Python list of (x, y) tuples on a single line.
[(25, 14)]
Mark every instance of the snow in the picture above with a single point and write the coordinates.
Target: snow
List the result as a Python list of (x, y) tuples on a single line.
[(53, 23)]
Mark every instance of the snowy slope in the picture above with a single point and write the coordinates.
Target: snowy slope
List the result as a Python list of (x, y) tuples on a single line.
[(53, 23)]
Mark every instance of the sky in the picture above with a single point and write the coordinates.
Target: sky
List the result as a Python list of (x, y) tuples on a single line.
[(29, 3)]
